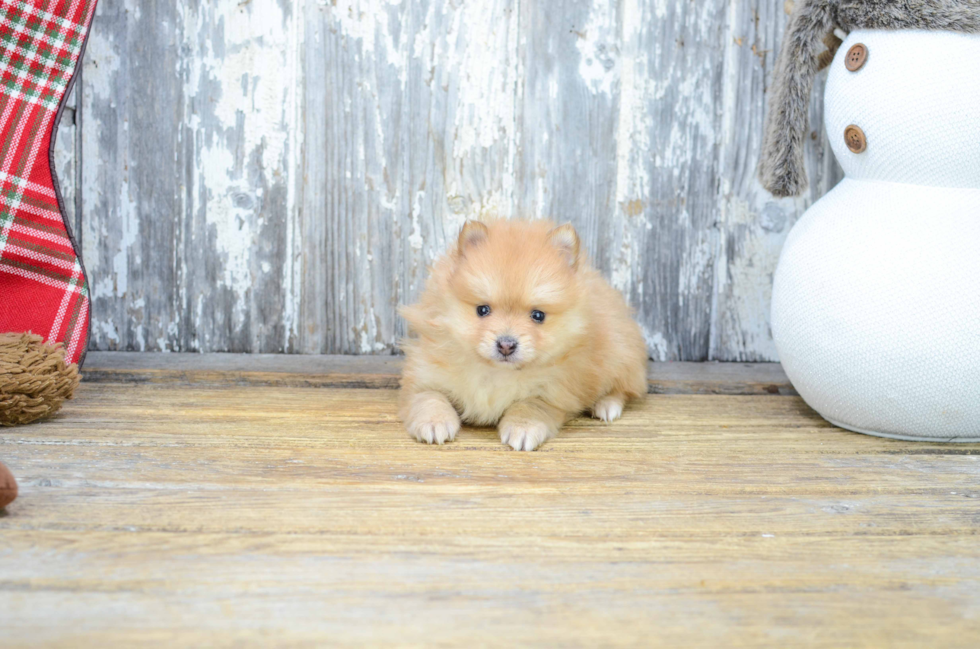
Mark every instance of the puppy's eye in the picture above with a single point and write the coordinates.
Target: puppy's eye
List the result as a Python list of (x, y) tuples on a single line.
[(537, 316), (483, 310)]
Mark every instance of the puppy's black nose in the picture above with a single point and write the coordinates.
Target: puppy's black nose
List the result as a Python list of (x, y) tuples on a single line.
[(506, 345)]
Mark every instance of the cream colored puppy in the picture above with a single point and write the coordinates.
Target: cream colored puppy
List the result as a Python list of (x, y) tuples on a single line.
[(515, 329)]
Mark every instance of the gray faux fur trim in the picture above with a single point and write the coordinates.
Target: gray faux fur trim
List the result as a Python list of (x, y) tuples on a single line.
[(781, 167)]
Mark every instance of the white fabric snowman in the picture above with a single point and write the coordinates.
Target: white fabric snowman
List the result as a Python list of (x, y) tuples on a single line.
[(876, 299)]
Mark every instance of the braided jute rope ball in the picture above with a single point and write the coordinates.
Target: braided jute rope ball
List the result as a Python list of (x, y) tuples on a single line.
[(34, 379)]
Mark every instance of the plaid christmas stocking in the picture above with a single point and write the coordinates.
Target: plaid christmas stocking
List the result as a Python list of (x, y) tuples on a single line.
[(42, 283)]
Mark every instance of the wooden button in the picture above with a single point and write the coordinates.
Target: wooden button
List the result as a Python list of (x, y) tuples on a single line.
[(855, 140), (856, 56)]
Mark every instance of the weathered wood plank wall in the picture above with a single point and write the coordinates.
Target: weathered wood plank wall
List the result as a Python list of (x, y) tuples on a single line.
[(274, 176)]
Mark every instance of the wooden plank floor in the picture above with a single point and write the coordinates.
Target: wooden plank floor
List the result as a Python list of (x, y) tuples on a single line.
[(191, 512)]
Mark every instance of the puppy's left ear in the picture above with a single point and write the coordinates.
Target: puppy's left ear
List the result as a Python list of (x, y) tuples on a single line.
[(565, 238)]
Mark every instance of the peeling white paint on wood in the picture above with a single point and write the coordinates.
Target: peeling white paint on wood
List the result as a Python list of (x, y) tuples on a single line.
[(274, 176)]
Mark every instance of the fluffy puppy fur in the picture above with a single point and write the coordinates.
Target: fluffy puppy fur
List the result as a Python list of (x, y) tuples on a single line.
[(515, 329), (781, 168)]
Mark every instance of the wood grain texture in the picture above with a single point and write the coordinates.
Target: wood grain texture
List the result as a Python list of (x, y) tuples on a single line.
[(159, 514), (275, 176), (384, 372)]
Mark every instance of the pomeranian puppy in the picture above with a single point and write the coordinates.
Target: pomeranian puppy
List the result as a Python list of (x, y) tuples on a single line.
[(516, 329)]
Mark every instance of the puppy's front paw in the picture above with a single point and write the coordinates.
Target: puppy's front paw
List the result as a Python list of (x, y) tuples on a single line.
[(524, 435), (608, 408), (437, 429)]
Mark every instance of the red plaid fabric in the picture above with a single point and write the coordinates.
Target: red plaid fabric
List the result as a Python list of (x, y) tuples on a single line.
[(42, 284)]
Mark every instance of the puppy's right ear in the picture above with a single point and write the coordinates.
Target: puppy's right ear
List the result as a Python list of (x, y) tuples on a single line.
[(473, 234), (565, 238)]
